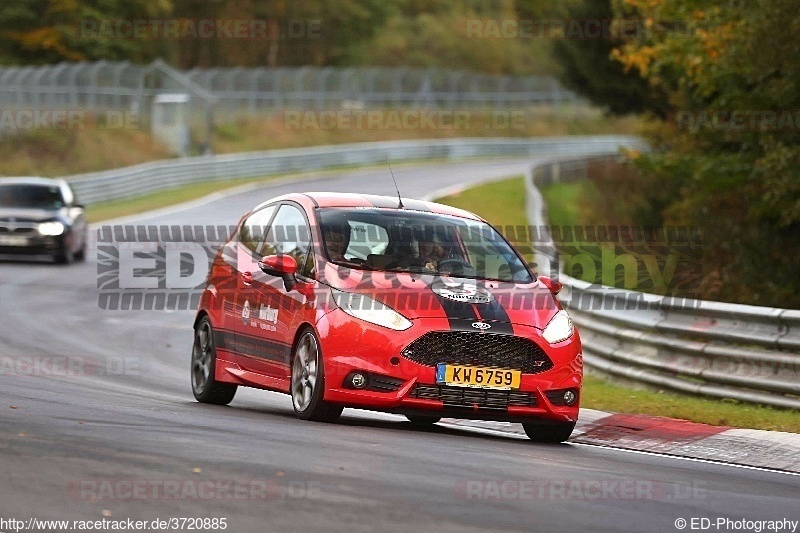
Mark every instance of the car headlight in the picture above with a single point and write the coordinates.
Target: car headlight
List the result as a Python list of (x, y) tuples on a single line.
[(559, 328), (370, 310), (51, 228)]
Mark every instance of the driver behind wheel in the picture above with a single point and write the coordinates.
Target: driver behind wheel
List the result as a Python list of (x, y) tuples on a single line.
[(431, 252)]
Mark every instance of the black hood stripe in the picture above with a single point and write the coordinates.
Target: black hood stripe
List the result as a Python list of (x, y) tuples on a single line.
[(494, 313), (457, 312)]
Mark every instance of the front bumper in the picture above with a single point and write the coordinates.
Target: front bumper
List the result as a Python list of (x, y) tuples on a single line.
[(34, 245), (403, 386)]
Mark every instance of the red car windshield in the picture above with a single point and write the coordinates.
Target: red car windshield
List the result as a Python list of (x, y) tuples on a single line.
[(396, 240)]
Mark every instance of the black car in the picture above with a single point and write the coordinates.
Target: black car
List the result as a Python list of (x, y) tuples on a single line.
[(40, 216)]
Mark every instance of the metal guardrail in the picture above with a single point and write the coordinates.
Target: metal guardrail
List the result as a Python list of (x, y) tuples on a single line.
[(160, 175), (721, 350)]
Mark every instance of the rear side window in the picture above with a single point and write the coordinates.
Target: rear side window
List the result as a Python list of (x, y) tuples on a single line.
[(254, 229)]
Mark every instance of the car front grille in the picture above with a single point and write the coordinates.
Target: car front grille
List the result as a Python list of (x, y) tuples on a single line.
[(470, 397), (19, 228), (478, 349)]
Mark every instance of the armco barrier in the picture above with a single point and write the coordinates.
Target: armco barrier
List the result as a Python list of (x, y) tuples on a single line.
[(160, 175), (744, 352)]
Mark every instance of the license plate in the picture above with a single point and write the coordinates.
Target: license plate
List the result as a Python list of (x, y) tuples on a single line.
[(477, 376), (13, 240)]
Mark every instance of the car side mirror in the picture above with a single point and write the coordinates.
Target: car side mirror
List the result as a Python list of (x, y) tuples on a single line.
[(79, 206), (283, 266), (552, 285)]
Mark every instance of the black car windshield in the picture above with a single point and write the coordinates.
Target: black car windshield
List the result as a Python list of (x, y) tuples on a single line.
[(397, 240), (31, 196)]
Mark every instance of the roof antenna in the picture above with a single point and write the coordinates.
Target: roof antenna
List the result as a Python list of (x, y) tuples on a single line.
[(399, 199)]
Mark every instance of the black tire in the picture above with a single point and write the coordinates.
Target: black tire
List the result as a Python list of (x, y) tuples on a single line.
[(63, 255), (80, 255), (422, 420), (548, 433), (307, 386), (205, 388)]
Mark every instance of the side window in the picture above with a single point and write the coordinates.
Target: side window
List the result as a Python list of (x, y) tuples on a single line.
[(289, 234), (255, 228)]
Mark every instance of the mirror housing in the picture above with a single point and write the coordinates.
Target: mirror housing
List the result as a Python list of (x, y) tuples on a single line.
[(278, 265), (283, 266), (552, 285)]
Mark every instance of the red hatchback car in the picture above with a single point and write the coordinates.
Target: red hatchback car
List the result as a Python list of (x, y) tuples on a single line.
[(416, 308)]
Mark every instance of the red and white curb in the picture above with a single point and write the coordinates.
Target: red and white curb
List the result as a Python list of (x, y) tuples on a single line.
[(669, 436)]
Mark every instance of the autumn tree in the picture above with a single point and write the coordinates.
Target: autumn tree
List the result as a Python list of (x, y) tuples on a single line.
[(585, 58), (733, 138), (49, 31)]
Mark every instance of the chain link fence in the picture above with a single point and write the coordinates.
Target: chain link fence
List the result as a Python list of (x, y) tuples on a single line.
[(124, 87)]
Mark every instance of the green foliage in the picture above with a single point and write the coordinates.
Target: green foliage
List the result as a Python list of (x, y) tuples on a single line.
[(298, 33), (587, 67), (726, 70), (321, 33), (436, 34), (49, 31)]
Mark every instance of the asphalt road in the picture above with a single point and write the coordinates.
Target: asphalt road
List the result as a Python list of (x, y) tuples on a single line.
[(117, 435)]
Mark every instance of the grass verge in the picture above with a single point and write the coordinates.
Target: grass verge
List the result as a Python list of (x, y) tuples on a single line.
[(120, 208), (91, 147), (503, 204)]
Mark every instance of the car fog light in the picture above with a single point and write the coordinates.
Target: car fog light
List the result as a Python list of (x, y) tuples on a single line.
[(570, 397), (359, 381)]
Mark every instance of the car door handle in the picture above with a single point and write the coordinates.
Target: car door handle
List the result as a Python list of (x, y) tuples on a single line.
[(247, 278)]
